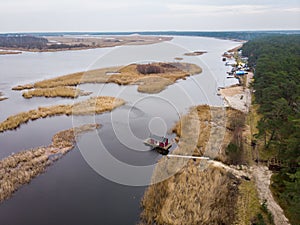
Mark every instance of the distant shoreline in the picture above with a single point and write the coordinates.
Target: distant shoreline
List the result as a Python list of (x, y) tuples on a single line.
[(73, 43)]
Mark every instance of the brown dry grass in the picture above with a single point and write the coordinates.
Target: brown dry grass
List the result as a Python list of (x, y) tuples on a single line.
[(109, 41), (91, 43), (182, 191), (65, 92), (94, 105), (128, 75), (206, 130), (191, 196), (20, 168), (195, 53), (9, 52), (248, 205), (1, 97)]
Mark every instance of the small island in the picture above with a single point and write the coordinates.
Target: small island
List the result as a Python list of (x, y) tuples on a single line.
[(2, 98), (150, 78), (195, 53), (65, 92), (20, 168), (94, 105)]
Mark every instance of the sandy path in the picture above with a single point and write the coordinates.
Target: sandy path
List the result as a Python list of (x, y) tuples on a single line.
[(262, 176), (238, 97)]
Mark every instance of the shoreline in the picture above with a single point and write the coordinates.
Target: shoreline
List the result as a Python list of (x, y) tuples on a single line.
[(91, 43), (150, 78), (2, 98), (94, 105), (20, 168), (237, 96)]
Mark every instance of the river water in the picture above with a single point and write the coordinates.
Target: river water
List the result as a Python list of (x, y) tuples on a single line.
[(103, 179)]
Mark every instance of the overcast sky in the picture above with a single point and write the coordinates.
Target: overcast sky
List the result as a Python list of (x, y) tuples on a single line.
[(141, 15)]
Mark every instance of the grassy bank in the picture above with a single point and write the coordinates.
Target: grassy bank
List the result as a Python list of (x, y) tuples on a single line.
[(65, 92), (94, 105), (150, 78), (20, 168), (192, 191), (191, 196), (208, 130)]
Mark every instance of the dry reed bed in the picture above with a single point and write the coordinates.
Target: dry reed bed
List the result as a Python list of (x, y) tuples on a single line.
[(9, 52), (205, 130), (128, 75), (195, 53), (94, 105), (191, 196), (65, 92), (194, 192), (20, 168), (1, 97)]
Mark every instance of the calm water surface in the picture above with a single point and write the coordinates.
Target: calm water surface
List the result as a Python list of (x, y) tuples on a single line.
[(71, 192)]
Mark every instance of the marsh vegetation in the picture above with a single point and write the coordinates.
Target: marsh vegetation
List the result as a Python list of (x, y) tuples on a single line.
[(65, 92), (20, 168), (150, 78), (94, 105)]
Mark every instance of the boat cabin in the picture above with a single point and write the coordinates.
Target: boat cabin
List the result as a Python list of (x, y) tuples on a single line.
[(158, 142)]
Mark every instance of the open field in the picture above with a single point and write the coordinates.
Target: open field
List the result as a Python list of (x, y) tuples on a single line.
[(65, 92), (20, 168), (150, 78), (94, 105)]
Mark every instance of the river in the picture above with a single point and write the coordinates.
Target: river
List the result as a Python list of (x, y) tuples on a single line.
[(71, 191)]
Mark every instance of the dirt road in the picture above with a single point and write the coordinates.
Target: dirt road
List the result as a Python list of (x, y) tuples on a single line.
[(262, 176)]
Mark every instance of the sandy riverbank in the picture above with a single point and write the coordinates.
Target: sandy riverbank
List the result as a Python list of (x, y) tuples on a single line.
[(238, 97), (20, 168)]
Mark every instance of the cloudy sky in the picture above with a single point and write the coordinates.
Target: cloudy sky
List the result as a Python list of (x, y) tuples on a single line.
[(140, 15)]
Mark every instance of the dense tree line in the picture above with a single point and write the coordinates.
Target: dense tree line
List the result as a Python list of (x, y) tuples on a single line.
[(241, 35), (27, 42), (32, 42), (276, 60)]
